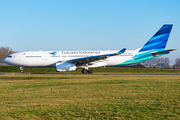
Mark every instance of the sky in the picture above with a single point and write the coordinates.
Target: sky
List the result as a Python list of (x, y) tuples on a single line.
[(60, 25)]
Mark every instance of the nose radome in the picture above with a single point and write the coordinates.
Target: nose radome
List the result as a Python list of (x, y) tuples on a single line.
[(4, 60)]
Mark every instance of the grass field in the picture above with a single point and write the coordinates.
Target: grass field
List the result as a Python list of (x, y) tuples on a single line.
[(90, 97), (9, 68)]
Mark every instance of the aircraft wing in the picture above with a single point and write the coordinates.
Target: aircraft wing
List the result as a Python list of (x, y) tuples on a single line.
[(95, 58)]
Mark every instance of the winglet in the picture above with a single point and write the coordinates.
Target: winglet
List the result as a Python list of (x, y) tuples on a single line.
[(121, 51)]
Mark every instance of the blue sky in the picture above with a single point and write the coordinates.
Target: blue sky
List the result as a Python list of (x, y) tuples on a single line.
[(86, 24)]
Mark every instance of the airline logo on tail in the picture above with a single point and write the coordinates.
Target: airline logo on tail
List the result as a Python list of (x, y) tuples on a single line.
[(159, 40), (155, 47)]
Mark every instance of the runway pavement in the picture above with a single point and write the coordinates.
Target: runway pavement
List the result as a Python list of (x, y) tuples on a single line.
[(90, 74)]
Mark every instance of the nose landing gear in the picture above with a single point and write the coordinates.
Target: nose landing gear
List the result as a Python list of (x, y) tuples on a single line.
[(21, 70)]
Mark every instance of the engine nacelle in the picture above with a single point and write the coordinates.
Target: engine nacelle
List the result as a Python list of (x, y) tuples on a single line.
[(65, 66)]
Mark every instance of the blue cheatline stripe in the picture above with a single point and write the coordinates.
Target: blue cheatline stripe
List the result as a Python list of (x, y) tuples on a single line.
[(158, 38), (156, 46), (165, 26), (164, 30), (158, 41), (144, 55), (149, 45), (132, 61), (148, 52)]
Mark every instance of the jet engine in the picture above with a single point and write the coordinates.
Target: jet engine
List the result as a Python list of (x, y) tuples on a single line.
[(65, 66)]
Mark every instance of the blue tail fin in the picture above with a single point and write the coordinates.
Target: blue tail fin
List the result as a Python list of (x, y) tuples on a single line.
[(159, 40)]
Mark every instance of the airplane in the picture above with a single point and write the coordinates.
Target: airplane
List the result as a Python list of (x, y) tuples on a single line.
[(71, 60)]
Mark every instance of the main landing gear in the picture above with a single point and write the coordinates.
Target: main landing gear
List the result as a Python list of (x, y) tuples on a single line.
[(84, 71), (21, 70)]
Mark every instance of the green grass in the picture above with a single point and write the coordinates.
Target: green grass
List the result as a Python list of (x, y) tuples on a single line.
[(15, 69), (90, 97)]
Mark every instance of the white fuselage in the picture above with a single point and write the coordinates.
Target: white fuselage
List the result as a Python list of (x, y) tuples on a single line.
[(47, 58)]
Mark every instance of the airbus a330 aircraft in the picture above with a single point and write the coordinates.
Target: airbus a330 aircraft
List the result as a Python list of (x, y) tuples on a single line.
[(71, 60)]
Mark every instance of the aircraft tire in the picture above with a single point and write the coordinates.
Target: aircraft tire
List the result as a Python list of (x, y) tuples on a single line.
[(84, 71), (90, 71)]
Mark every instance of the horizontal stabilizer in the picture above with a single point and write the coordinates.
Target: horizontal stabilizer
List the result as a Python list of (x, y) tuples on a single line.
[(162, 52)]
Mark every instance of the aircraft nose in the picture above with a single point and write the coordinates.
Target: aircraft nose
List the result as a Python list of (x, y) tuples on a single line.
[(4, 60)]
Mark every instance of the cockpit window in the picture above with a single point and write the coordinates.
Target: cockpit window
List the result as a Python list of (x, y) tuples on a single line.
[(9, 56)]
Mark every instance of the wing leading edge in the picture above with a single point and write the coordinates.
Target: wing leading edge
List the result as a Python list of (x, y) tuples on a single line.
[(86, 60)]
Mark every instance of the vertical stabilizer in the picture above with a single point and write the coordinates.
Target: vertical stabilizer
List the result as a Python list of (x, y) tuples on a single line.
[(159, 40)]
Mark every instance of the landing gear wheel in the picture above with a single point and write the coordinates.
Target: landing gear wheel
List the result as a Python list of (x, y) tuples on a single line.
[(22, 71), (90, 71), (84, 71)]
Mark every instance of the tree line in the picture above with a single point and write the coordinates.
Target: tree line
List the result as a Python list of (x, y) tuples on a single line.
[(156, 62), (177, 62), (160, 62), (4, 52)]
